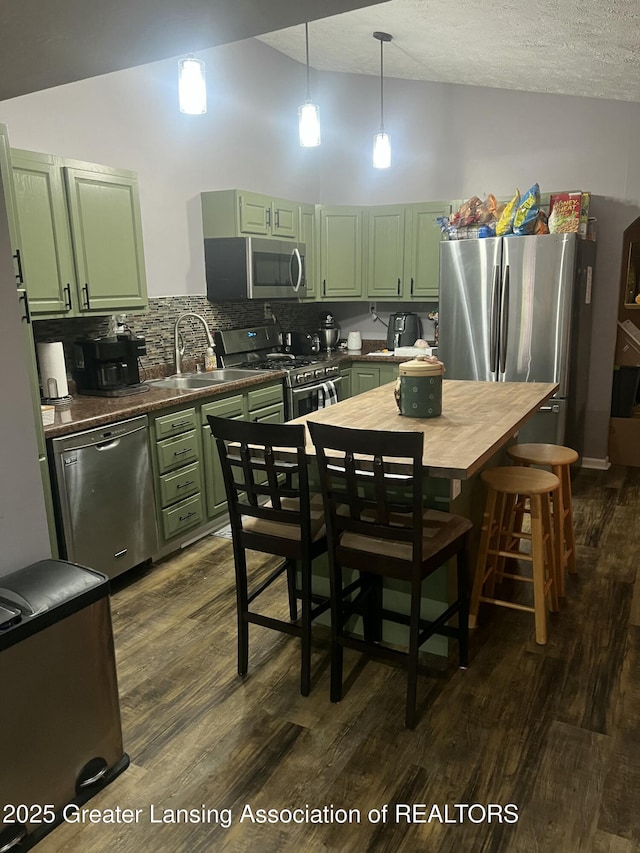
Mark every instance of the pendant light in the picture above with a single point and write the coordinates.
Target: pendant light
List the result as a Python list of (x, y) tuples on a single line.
[(192, 90), (381, 140), (308, 113)]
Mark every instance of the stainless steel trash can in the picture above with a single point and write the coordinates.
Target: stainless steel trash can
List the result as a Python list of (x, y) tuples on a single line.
[(60, 730)]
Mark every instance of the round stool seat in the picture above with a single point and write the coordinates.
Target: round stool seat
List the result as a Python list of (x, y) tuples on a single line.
[(543, 454), (520, 481)]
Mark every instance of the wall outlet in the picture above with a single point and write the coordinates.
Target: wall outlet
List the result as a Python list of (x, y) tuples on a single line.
[(372, 308), (268, 313)]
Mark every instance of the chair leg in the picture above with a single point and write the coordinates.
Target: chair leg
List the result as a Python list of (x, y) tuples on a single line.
[(481, 562), (335, 581), (242, 602), (291, 589), (463, 606), (305, 670), (537, 553), (412, 662)]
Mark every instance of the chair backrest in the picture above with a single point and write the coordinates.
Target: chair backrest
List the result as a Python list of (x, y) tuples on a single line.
[(265, 475), (371, 483)]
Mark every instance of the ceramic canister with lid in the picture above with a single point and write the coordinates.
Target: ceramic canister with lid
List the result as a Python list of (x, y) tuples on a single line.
[(418, 388)]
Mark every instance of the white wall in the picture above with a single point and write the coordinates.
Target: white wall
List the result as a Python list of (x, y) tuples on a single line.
[(448, 142)]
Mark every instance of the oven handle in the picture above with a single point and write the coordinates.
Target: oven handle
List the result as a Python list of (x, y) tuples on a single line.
[(306, 388)]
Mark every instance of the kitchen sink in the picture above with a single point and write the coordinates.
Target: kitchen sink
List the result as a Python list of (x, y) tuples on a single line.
[(194, 381)]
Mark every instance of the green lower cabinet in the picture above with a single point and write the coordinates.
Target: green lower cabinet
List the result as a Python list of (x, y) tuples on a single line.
[(344, 387), (182, 517), (366, 377), (214, 481)]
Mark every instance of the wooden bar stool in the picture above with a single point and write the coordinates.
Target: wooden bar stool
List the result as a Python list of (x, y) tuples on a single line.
[(500, 540), (559, 459)]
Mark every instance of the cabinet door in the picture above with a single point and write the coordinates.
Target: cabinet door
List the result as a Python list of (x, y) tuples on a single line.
[(308, 237), (422, 250), (107, 239), (385, 250), (344, 388), (10, 203), (44, 231), (284, 218), (364, 378), (341, 252), (388, 373), (254, 214)]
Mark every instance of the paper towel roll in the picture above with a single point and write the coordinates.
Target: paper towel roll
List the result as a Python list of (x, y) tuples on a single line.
[(53, 371)]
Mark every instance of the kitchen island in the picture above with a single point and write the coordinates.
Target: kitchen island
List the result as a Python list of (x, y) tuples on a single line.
[(478, 422)]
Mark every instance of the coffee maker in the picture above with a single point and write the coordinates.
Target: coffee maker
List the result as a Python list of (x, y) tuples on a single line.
[(108, 367)]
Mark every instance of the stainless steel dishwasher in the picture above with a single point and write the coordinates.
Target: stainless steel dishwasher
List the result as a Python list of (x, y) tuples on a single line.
[(105, 508)]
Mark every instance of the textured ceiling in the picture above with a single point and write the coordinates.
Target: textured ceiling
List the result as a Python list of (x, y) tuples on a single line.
[(570, 47)]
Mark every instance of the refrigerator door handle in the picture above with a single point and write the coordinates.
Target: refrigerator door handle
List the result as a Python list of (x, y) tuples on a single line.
[(493, 339), (504, 320)]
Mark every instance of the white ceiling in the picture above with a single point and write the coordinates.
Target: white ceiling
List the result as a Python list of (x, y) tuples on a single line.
[(570, 47)]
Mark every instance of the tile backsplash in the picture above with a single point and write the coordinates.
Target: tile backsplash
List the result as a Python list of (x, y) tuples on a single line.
[(156, 325)]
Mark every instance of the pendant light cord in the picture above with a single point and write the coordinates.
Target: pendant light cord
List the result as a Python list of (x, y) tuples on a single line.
[(306, 37), (381, 85)]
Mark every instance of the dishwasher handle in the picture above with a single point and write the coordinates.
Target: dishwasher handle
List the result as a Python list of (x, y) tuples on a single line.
[(107, 445)]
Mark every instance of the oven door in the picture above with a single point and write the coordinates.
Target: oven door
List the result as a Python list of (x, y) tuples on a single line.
[(303, 401), (277, 269)]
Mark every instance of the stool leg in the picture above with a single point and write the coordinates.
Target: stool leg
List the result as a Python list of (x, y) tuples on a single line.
[(558, 534), (569, 536), (538, 564), (551, 558), (481, 561), (495, 563)]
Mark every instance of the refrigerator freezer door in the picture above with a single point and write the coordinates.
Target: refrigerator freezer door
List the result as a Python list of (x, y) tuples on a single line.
[(470, 282), (538, 280)]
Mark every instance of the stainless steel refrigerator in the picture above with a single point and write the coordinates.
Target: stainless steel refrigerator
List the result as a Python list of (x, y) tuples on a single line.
[(518, 309)]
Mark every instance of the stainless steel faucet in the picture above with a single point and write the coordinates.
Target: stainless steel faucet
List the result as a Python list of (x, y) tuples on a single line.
[(176, 337)]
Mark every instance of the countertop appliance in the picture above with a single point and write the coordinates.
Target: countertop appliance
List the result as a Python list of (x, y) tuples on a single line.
[(329, 332), (300, 343), (103, 495), (61, 735), (518, 309), (108, 367), (254, 268), (404, 330), (259, 348)]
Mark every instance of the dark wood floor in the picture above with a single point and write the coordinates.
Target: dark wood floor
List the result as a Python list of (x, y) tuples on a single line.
[(554, 730)]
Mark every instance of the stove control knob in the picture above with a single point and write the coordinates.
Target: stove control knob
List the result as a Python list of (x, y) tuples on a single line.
[(318, 373), (331, 371)]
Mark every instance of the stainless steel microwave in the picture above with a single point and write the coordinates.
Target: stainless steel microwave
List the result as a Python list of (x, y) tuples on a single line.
[(253, 268)]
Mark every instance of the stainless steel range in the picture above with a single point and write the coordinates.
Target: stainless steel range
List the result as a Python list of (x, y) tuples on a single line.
[(310, 381)]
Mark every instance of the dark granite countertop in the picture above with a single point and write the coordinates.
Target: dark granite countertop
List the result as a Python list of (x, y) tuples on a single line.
[(84, 412)]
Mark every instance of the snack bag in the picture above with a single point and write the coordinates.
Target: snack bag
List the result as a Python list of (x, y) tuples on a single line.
[(505, 223), (527, 212), (540, 226)]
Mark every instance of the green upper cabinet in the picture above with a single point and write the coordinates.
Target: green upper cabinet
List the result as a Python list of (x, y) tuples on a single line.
[(106, 229), (308, 236), (236, 213), (422, 249), (341, 250), (81, 234), (10, 203), (44, 228), (403, 250), (385, 251)]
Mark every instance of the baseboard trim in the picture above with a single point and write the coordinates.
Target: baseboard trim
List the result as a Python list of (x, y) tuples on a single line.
[(597, 464)]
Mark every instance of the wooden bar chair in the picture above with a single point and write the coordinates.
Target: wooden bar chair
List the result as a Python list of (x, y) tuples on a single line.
[(559, 459), (377, 525), (500, 539), (271, 510)]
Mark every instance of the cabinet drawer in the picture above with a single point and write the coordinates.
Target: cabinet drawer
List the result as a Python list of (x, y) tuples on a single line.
[(180, 484), (175, 423), (264, 397), (229, 407), (178, 451), (182, 516), (269, 414)]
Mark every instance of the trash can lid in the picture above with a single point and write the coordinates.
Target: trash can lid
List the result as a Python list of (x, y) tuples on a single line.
[(43, 593)]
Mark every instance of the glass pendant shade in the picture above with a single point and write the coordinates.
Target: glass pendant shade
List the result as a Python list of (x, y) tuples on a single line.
[(309, 124), (381, 150), (192, 90)]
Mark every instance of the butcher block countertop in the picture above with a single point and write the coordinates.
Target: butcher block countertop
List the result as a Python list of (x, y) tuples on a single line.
[(478, 418)]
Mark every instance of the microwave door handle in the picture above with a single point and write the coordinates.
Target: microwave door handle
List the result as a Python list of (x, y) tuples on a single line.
[(504, 320), (296, 254)]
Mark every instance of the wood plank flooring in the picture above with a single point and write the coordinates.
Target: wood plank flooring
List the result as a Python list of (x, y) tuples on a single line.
[(554, 730)]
